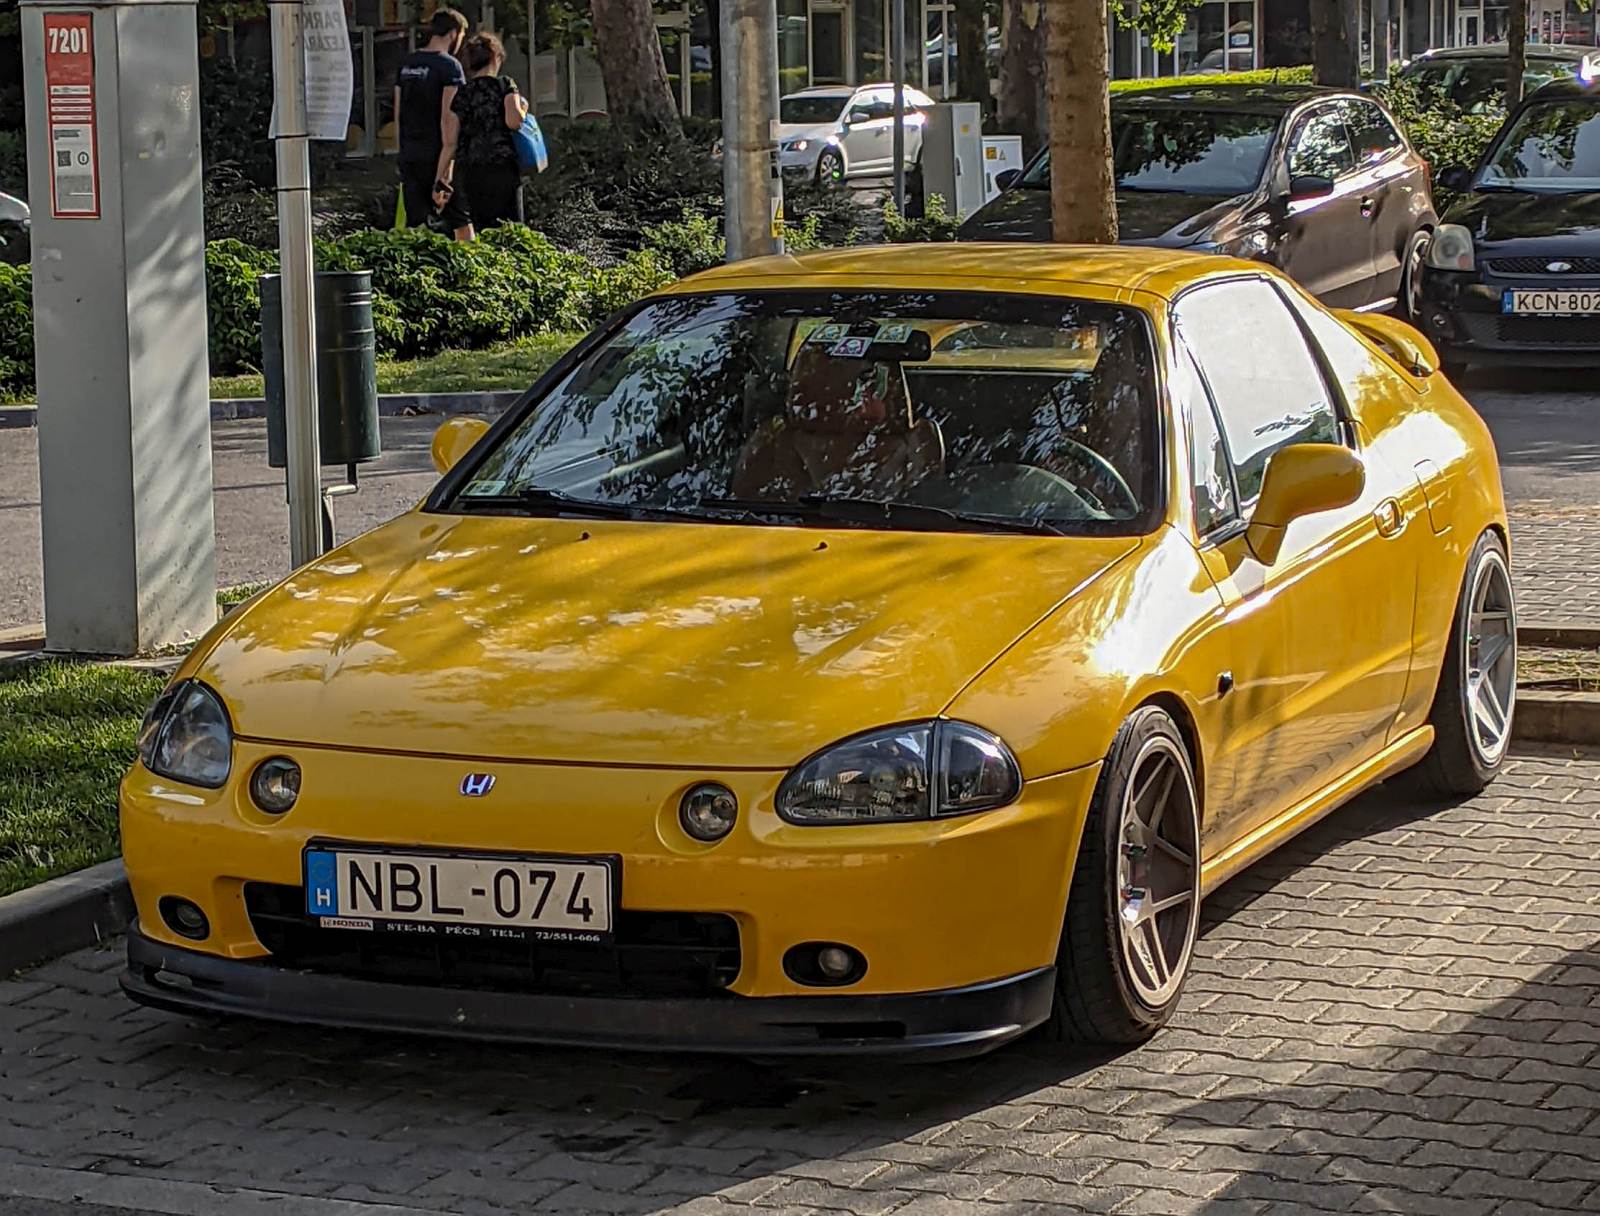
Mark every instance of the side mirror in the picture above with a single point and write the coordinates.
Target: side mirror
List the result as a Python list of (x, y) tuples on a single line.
[(1457, 179), (1008, 178), (1309, 185), (454, 439), (1302, 479)]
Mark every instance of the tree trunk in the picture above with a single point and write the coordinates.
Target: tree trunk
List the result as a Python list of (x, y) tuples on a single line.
[(638, 97), (1022, 109), (1335, 60), (1516, 50), (1083, 203), (972, 55)]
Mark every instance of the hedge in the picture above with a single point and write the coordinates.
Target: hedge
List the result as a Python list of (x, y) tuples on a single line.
[(1295, 75), (16, 330)]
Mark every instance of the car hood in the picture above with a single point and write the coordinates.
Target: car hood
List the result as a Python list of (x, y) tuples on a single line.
[(619, 642), (1172, 220), (1554, 220), (801, 130)]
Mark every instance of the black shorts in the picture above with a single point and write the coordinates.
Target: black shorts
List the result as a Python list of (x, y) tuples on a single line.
[(494, 193), (416, 187)]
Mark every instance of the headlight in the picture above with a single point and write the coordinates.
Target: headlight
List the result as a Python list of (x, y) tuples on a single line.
[(1451, 248), (917, 771), (796, 145), (186, 736)]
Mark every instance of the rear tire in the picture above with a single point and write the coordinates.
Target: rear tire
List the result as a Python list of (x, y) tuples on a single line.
[(1475, 706), (1411, 280), (1134, 904)]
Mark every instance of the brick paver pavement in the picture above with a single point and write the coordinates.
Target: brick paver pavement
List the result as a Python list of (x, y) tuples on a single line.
[(1398, 1013), (1556, 562)]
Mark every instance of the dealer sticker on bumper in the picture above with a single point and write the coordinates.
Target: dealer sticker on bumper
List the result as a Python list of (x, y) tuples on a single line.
[(470, 895), (1565, 302)]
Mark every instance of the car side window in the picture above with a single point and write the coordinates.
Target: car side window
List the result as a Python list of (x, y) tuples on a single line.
[(1268, 389), (1372, 136), (1211, 470), (1321, 147)]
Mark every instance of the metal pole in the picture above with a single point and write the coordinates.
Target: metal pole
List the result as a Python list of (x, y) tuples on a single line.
[(533, 82), (752, 185), (294, 260), (899, 80)]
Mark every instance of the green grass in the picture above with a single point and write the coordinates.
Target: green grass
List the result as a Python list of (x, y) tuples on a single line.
[(232, 597), (67, 734), (511, 365)]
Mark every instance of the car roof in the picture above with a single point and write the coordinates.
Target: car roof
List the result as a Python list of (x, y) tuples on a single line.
[(1246, 98), (823, 90), (1568, 88), (1110, 270), (1499, 50)]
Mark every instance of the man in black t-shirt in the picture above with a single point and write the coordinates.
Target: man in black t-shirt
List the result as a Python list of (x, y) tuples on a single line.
[(423, 91)]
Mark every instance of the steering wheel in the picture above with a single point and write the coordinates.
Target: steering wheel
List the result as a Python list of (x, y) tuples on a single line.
[(1103, 471)]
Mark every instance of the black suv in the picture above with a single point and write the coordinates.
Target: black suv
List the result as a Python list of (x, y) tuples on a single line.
[(1319, 182), (1513, 274)]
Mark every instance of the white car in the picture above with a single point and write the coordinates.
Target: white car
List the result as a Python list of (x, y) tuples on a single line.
[(834, 132)]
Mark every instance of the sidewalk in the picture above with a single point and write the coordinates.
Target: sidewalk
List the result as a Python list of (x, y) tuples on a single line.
[(1555, 562)]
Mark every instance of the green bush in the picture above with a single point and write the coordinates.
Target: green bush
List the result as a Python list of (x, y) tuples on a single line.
[(1295, 75), (16, 331), (688, 245), (233, 303), (1444, 135), (935, 224)]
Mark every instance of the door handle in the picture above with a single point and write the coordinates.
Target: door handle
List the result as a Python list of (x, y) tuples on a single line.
[(1368, 206), (1389, 517)]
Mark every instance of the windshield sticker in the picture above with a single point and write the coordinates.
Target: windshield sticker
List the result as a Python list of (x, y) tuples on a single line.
[(850, 348), (894, 333), (828, 333), (486, 485)]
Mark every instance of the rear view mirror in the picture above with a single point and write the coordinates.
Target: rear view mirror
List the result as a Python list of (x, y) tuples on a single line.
[(1008, 178), (1302, 479), (1309, 185), (454, 439)]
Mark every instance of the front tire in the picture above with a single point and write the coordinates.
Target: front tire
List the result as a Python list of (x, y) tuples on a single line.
[(1134, 906), (1475, 705), (1411, 280), (830, 169)]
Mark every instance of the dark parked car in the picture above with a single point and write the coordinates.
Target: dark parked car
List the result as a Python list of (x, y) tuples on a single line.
[(1319, 182), (1513, 274), (1474, 77)]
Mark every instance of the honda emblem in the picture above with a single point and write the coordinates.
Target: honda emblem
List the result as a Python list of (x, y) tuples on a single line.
[(476, 785)]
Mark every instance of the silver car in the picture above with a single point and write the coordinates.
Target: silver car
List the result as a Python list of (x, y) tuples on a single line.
[(833, 132)]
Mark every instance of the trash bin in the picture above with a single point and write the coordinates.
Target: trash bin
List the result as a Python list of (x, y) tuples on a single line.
[(347, 373)]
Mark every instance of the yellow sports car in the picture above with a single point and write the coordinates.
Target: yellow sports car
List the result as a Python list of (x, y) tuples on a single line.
[(879, 650)]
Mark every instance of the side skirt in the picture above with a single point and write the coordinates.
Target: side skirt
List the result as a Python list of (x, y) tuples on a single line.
[(1401, 754)]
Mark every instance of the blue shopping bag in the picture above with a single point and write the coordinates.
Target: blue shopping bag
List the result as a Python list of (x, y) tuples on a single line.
[(529, 142)]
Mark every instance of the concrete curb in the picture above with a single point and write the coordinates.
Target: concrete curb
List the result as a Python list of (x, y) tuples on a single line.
[(1562, 635), (63, 915), (391, 405), (1548, 715)]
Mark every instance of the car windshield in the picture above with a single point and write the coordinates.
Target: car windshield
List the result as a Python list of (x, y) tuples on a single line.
[(1552, 146), (1477, 85), (812, 111), (927, 411), (1198, 152)]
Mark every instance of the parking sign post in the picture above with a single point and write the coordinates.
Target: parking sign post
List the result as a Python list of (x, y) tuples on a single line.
[(119, 306)]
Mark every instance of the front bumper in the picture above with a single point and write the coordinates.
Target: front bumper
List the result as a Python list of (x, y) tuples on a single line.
[(947, 1023), (1461, 315)]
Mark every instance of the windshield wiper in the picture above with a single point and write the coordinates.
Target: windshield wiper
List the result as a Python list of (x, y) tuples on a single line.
[(539, 498), (1132, 189), (912, 514)]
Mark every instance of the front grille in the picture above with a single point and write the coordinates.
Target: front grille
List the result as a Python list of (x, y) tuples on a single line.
[(1540, 266), (652, 954), (1548, 331)]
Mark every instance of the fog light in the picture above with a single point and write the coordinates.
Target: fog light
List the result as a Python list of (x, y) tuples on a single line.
[(708, 811), (835, 962), (184, 918), (275, 784), (824, 964)]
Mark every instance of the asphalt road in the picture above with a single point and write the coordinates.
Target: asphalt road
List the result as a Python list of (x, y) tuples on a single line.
[(1547, 425)]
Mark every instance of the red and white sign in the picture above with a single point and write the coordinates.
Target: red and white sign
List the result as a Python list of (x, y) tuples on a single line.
[(70, 115)]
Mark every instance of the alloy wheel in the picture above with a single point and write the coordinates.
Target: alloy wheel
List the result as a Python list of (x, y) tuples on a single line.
[(1158, 874), (1414, 272), (1490, 686)]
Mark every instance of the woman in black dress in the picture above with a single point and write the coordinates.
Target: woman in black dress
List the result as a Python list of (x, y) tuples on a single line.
[(490, 109)]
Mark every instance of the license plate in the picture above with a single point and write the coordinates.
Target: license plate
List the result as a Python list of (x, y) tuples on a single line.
[(463, 894), (1563, 303)]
